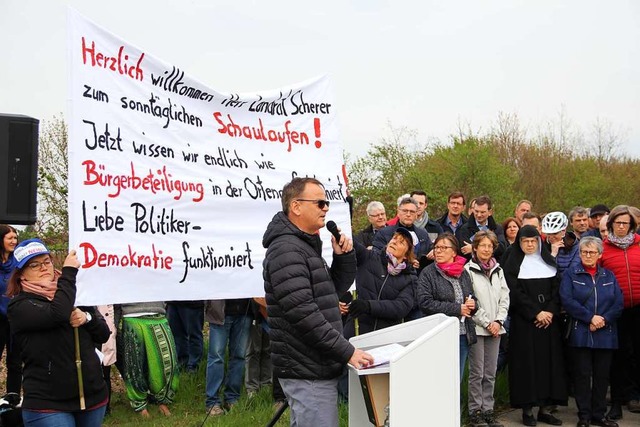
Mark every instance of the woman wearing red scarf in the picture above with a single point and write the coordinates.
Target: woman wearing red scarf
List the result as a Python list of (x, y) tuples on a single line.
[(43, 317), (445, 287), (622, 256)]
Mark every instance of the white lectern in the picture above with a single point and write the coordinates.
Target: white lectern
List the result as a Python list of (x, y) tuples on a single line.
[(421, 383)]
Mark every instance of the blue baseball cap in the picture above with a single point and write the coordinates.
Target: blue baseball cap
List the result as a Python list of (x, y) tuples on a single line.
[(28, 249)]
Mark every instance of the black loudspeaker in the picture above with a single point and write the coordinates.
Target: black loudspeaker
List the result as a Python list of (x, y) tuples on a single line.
[(18, 169)]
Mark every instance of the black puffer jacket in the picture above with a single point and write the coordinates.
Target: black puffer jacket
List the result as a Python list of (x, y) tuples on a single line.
[(391, 297), (302, 303), (48, 351)]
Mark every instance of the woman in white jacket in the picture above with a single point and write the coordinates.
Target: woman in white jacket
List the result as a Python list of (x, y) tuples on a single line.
[(492, 293)]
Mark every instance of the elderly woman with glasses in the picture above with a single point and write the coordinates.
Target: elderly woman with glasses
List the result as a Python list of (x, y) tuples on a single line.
[(445, 287), (44, 321), (591, 296), (621, 255)]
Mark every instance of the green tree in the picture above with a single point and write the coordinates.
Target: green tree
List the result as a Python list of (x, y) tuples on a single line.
[(53, 217), (556, 169), (380, 174), (470, 166)]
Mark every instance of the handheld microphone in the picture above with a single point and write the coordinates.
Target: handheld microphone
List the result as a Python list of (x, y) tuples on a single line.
[(333, 229)]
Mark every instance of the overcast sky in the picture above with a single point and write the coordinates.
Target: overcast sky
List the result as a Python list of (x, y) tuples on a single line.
[(426, 65)]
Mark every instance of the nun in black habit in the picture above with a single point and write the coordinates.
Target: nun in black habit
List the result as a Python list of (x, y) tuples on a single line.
[(536, 364)]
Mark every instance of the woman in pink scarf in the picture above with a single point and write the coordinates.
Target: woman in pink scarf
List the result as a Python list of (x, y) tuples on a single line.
[(445, 287), (43, 318)]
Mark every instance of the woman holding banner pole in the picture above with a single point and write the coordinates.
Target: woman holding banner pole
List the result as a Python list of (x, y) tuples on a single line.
[(44, 321)]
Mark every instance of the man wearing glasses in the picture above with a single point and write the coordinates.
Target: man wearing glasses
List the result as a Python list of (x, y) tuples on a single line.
[(407, 215), (377, 221), (308, 350), (453, 218)]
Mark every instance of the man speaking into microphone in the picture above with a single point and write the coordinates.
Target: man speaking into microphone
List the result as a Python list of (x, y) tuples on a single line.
[(308, 350)]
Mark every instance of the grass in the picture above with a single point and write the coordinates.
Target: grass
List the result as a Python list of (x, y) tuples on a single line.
[(189, 408)]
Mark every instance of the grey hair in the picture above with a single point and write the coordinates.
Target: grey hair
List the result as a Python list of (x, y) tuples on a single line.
[(401, 198), (373, 206), (578, 210), (591, 240), (407, 200)]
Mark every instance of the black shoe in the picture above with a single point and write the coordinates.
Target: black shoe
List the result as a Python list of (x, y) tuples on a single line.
[(615, 413), (490, 419), (549, 419), (604, 423), (634, 406), (528, 420), (476, 419), (582, 423)]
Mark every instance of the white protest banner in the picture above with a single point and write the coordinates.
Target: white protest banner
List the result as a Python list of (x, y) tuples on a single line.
[(172, 184)]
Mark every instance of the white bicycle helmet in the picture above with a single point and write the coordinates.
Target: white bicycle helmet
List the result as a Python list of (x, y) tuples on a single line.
[(554, 222)]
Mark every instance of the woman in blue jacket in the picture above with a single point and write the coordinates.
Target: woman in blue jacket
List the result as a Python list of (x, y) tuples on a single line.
[(8, 242), (591, 296)]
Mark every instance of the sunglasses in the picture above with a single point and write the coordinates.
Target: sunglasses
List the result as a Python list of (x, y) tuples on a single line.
[(319, 202)]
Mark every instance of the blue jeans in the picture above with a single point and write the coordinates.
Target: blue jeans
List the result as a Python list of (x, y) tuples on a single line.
[(91, 418), (464, 352), (235, 332), (186, 325)]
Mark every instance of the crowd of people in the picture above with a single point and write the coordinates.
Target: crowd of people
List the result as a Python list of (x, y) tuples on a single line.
[(554, 297)]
